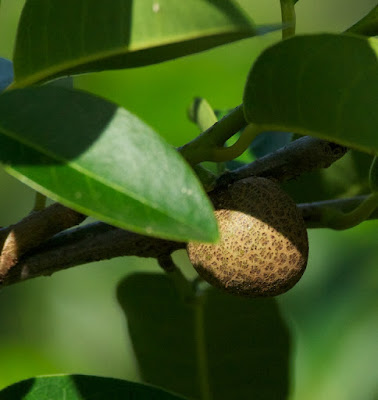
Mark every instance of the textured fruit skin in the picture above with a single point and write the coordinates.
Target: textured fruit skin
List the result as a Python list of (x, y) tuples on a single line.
[(263, 249)]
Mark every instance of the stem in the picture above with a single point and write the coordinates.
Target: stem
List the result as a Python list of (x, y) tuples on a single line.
[(202, 366), (188, 295), (229, 153), (373, 175), (202, 147), (39, 201), (305, 154), (183, 286), (313, 213), (288, 18), (99, 241), (336, 219), (32, 231)]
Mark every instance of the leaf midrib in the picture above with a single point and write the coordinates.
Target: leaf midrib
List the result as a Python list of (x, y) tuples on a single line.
[(100, 56), (96, 178)]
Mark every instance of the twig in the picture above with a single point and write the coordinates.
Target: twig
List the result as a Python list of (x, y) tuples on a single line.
[(314, 213), (33, 230), (303, 155), (86, 244), (99, 241)]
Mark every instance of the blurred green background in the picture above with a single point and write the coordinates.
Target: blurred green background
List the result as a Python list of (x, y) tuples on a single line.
[(71, 322)]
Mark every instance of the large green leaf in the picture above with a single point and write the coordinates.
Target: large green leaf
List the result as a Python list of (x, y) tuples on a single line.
[(226, 347), (99, 159), (82, 387), (368, 25), (56, 38), (320, 85)]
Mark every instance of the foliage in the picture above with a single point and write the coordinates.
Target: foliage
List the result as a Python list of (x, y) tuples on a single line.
[(99, 159)]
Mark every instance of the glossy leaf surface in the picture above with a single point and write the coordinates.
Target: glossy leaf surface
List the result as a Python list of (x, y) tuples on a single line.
[(57, 38), (99, 159), (320, 85), (82, 387), (225, 347)]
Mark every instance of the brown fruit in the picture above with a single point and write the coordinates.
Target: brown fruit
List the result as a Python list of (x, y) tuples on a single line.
[(263, 248)]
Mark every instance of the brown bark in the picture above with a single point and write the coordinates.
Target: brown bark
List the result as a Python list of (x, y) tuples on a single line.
[(38, 246)]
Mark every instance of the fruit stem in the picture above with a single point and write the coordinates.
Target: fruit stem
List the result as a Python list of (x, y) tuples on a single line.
[(39, 202), (183, 286), (288, 18)]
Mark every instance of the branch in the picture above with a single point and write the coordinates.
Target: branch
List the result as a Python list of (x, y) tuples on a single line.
[(86, 244), (315, 213), (99, 241), (33, 230), (302, 155)]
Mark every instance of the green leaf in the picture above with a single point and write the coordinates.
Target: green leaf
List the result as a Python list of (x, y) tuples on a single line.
[(202, 114), (225, 346), (82, 387), (99, 159), (368, 25), (319, 85), (57, 38)]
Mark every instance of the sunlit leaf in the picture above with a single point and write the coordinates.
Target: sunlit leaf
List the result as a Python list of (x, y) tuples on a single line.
[(99, 159), (320, 85), (57, 38), (82, 387)]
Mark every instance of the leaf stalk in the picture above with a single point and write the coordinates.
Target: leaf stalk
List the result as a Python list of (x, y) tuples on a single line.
[(288, 18)]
